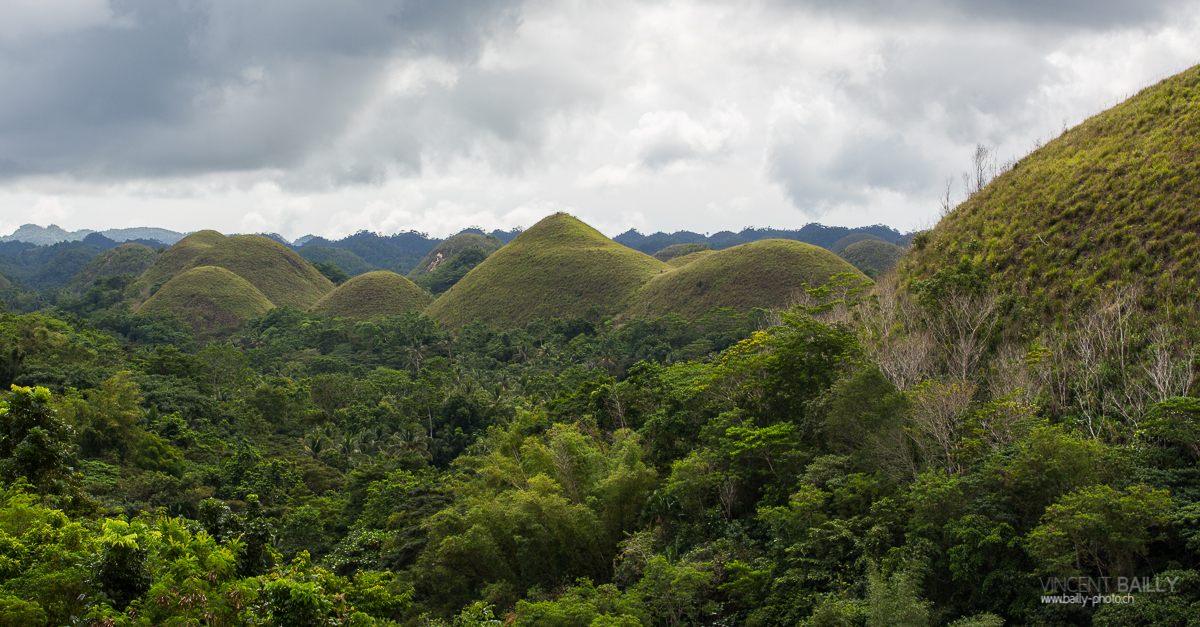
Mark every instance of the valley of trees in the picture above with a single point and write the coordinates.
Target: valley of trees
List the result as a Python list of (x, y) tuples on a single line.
[(877, 455)]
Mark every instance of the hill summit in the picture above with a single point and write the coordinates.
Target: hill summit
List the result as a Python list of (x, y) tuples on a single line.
[(1113, 199), (559, 268)]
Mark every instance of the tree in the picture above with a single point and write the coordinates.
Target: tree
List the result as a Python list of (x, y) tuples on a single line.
[(35, 443)]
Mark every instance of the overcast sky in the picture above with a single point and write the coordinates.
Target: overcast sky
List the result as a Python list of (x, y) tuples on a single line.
[(311, 116)]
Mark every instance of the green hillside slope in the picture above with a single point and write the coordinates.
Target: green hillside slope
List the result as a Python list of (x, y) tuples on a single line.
[(442, 253), (124, 259), (767, 273), (373, 295), (679, 262), (680, 250), (351, 263), (872, 257), (560, 268), (1113, 199), (278, 272), (208, 297)]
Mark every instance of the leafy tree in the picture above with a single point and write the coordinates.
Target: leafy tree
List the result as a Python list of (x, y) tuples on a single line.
[(35, 444)]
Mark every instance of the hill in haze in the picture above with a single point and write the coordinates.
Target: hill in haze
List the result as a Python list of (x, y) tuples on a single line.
[(559, 268), (373, 295), (1113, 199), (816, 234), (872, 256), (768, 274)]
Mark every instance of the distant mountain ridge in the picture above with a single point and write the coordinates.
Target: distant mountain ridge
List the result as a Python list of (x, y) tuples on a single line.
[(814, 233), (53, 234)]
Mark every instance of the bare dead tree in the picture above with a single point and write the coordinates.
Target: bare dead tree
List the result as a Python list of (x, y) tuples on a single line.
[(946, 204), (962, 329), (1168, 364), (937, 416), (1014, 375), (892, 332)]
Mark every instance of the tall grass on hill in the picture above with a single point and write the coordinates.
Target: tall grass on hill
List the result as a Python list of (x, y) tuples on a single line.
[(282, 275), (1111, 200), (124, 259), (373, 295), (767, 274), (559, 268), (209, 297)]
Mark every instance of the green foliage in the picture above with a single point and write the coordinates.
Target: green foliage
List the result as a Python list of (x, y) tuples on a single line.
[(128, 259), (872, 257), (676, 251), (35, 444), (331, 271)]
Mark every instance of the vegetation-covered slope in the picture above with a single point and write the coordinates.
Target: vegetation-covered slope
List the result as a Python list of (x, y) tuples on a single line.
[(373, 295), (124, 259), (178, 258), (209, 297), (1113, 199), (853, 238), (351, 263), (679, 250), (444, 252), (679, 262), (873, 257), (559, 268), (282, 275), (767, 273)]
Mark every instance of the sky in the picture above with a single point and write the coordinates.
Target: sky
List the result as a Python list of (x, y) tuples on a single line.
[(310, 116)]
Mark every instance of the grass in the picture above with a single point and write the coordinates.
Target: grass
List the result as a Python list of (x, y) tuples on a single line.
[(680, 262), (873, 256), (443, 252), (282, 276), (209, 297), (1111, 200), (853, 238), (177, 258), (559, 268), (373, 295), (767, 273), (124, 259), (680, 250)]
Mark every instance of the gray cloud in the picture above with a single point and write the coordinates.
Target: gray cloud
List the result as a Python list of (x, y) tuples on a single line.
[(1087, 14), (180, 88)]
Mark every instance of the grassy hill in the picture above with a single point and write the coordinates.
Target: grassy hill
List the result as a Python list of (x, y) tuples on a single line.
[(559, 268), (208, 297), (1113, 199), (179, 257), (853, 238), (767, 273), (680, 250), (873, 257), (282, 275), (373, 295), (679, 262), (124, 259)]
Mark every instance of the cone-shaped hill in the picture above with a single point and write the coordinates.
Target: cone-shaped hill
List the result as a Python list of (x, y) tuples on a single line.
[(1113, 199), (209, 297), (872, 256), (559, 268), (767, 273), (275, 270), (373, 295), (124, 259), (676, 251)]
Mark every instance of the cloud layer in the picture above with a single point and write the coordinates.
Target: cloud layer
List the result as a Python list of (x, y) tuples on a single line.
[(311, 116)]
